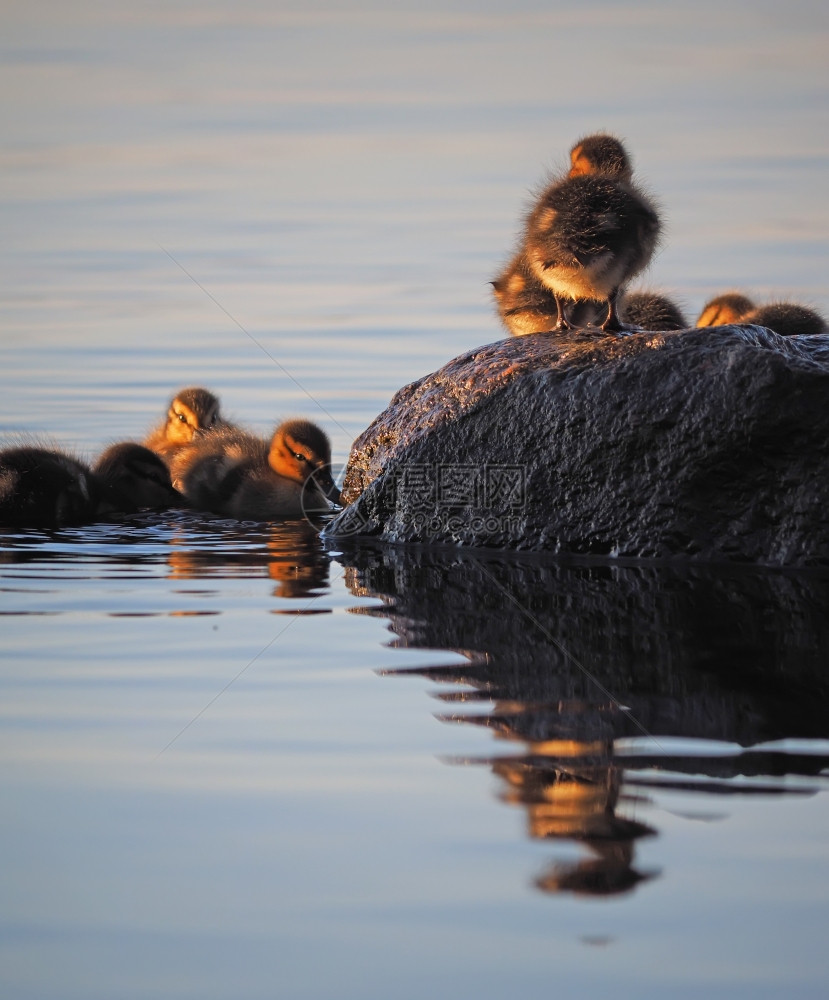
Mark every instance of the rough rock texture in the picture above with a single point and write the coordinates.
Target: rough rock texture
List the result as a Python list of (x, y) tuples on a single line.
[(709, 444)]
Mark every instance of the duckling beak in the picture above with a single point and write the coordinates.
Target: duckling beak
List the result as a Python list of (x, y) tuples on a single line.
[(326, 485)]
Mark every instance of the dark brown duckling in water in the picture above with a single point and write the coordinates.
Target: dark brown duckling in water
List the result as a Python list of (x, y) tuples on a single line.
[(191, 411), (134, 478), (242, 476), (45, 488)]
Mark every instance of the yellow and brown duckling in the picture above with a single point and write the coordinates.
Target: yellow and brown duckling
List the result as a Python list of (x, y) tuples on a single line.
[(45, 488), (729, 307), (240, 475), (133, 478), (789, 319), (651, 311), (589, 233), (191, 411)]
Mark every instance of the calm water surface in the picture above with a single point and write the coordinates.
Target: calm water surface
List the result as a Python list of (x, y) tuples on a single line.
[(237, 764)]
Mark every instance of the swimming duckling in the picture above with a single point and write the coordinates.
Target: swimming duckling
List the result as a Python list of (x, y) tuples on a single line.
[(191, 410), (241, 476), (651, 311), (729, 307), (132, 477), (43, 488), (787, 318)]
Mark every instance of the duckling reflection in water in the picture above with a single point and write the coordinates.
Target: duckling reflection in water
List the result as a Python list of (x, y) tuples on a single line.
[(191, 410), (589, 233), (45, 488), (242, 476), (133, 478)]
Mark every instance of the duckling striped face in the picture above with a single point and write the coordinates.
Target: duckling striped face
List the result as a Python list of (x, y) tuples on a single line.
[(191, 411), (301, 451)]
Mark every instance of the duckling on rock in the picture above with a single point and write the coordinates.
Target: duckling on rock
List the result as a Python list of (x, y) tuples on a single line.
[(191, 411), (587, 236), (787, 319), (729, 307), (651, 311), (241, 476), (133, 478), (45, 488), (589, 233)]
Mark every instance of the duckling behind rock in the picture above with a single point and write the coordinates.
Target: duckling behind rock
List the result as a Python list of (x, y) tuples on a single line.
[(241, 476), (132, 478), (44, 488), (729, 307), (651, 311), (787, 319)]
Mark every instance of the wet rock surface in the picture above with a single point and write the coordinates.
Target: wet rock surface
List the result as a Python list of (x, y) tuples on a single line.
[(708, 444)]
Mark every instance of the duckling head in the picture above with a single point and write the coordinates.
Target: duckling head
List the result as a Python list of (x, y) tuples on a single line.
[(132, 477), (301, 451), (191, 410), (730, 307), (600, 154)]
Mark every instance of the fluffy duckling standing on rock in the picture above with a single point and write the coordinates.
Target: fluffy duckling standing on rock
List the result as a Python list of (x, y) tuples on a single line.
[(591, 232), (191, 411), (239, 475), (133, 478), (729, 307), (43, 488), (787, 318)]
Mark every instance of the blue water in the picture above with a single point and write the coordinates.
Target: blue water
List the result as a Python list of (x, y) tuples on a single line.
[(236, 764)]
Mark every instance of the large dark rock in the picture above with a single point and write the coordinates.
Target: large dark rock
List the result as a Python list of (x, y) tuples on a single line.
[(708, 443)]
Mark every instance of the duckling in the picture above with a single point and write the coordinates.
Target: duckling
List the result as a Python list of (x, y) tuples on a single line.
[(600, 154), (242, 476), (651, 311), (723, 309), (587, 236), (787, 318), (524, 302), (191, 411), (42, 488), (131, 478), (526, 306), (589, 233)]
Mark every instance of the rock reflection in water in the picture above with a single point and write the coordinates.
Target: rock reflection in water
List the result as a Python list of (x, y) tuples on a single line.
[(575, 658)]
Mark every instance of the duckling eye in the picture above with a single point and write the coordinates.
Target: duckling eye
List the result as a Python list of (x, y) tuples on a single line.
[(182, 417), (299, 456)]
